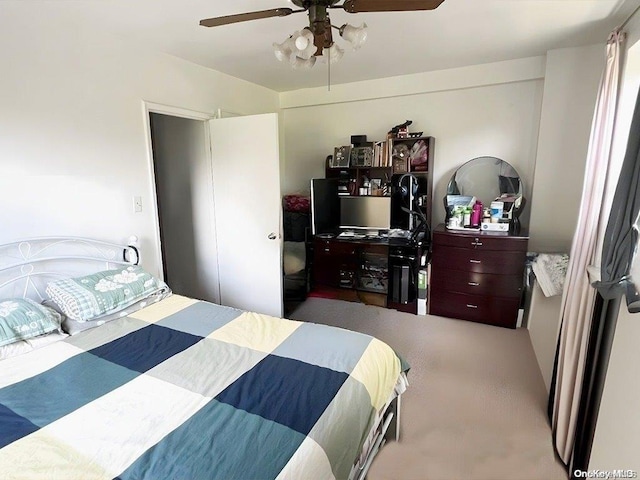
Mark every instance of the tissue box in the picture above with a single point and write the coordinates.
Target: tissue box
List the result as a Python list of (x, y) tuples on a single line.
[(494, 227)]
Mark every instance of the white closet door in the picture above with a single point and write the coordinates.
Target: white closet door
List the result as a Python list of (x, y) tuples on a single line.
[(246, 183)]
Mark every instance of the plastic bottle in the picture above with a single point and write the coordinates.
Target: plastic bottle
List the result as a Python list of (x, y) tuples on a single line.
[(486, 217), (467, 217), (476, 215)]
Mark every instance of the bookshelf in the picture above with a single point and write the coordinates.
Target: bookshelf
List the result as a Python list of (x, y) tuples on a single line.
[(367, 170)]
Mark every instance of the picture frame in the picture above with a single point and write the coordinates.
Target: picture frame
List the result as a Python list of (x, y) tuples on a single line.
[(341, 157), (399, 165), (362, 156)]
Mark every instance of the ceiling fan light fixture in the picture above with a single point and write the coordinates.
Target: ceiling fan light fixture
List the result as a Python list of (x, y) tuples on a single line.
[(305, 47), (283, 51), (334, 53), (303, 38), (356, 36), (298, 63)]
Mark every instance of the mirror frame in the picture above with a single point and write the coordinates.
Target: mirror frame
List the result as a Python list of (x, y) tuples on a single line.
[(503, 185)]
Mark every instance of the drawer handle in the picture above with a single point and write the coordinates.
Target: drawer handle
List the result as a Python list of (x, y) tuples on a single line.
[(471, 306), (475, 261), (476, 244), (474, 284), (327, 250)]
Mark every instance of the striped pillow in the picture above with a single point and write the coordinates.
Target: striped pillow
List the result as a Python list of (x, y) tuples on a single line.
[(88, 297)]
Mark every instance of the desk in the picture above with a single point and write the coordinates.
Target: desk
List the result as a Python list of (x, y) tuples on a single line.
[(368, 270)]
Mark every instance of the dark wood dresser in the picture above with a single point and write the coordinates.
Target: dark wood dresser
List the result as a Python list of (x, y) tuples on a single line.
[(477, 276)]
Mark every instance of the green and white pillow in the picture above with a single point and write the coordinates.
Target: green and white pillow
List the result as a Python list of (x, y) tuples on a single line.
[(21, 319), (88, 297)]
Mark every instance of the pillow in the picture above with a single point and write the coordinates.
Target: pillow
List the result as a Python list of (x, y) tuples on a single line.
[(24, 346), (21, 318), (88, 297), (73, 327), (294, 257)]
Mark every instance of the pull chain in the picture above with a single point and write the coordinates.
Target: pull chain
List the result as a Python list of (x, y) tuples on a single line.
[(329, 70)]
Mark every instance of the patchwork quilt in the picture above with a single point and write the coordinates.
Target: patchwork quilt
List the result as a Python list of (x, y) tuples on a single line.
[(186, 389)]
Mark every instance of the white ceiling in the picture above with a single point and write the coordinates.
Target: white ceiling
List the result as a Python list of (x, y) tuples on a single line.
[(458, 33)]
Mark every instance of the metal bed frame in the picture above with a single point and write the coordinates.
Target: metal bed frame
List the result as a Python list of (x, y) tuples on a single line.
[(27, 265)]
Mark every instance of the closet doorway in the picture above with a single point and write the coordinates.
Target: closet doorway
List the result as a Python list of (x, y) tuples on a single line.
[(184, 193)]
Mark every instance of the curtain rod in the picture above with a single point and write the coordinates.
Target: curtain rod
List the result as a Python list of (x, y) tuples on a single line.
[(624, 24)]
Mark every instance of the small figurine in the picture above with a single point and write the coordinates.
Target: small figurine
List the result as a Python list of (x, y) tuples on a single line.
[(402, 130)]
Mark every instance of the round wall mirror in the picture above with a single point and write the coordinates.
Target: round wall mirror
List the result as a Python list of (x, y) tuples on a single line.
[(488, 178)]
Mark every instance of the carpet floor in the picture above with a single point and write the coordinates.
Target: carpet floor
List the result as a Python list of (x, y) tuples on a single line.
[(476, 405)]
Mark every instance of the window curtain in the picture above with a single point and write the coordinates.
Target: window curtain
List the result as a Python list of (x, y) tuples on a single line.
[(620, 267), (578, 298)]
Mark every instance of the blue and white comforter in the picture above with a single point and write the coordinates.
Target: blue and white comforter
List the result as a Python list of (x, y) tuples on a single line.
[(186, 389)]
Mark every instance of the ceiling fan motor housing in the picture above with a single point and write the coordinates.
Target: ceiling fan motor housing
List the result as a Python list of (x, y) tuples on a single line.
[(319, 23), (308, 3)]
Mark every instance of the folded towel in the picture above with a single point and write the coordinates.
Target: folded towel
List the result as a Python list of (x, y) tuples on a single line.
[(550, 270)]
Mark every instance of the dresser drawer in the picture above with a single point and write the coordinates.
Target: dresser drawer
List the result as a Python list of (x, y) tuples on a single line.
[(478, 261), (473, 283), (499, 311), (480, 242)]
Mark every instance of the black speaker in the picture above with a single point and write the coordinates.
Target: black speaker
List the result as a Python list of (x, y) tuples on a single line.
[(400, 292), (403, 270)]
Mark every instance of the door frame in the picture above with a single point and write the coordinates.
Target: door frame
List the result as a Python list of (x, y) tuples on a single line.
[(148, 108)]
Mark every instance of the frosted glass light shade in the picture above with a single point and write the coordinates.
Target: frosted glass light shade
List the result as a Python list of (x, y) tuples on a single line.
[(298, 63), (304, 44), (334, 54), (283, 51), (356, 36)]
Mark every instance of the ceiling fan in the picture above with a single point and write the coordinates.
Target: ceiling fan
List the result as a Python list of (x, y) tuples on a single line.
[(302, 48)]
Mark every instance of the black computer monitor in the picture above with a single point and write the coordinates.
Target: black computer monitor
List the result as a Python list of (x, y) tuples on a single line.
[(325, 205)]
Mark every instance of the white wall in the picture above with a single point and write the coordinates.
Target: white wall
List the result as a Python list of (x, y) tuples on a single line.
[(471, 112), (617, 438), (571, 84), (73, 142), (572, 77)]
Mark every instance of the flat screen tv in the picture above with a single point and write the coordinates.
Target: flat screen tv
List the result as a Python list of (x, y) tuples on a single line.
[(371, 213), (325, 205)]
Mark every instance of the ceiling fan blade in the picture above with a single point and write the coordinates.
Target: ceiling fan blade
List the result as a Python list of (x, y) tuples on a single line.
[(357, 6), (245, 17)]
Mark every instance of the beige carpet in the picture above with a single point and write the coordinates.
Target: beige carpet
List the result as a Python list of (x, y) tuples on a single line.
[(476, 404)]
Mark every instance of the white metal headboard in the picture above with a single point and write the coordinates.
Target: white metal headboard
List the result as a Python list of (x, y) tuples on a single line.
[(26, 266)]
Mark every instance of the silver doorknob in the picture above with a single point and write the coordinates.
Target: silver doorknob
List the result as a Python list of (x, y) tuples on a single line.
[(272, 236)]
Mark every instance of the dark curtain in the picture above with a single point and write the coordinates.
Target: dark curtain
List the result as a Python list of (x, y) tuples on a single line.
[(621, 236)]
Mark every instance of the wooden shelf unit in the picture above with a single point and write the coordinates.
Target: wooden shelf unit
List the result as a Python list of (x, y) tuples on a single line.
[(396, 160)]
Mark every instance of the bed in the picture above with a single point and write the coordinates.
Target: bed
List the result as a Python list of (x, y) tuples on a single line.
[(173, 387)]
